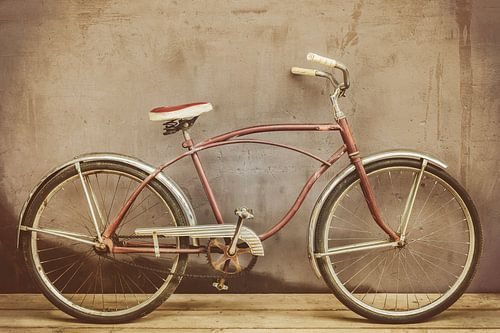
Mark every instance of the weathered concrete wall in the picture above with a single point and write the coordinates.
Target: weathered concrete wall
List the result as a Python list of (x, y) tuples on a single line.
[(80, 76)]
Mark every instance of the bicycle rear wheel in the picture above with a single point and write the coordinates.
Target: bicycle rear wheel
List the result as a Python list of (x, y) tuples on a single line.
[(414, 281), (78, 278)]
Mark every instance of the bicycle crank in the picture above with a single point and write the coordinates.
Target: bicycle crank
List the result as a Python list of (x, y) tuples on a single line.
[(231, 256)]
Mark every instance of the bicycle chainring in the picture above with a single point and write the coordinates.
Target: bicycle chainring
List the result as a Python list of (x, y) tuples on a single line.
[(220, 260)]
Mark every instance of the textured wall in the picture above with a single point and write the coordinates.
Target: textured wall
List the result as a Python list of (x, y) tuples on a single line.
[(80, 76)]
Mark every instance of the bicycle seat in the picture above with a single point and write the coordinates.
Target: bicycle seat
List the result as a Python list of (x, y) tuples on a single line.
[(184, 111)]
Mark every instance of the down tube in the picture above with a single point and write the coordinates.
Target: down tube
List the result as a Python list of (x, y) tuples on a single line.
[(303, 194)]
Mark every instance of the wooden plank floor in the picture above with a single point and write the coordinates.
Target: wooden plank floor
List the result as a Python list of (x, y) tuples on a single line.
[(316, 313)]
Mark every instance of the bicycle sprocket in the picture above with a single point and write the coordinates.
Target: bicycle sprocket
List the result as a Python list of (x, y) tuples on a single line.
[(220, 260)]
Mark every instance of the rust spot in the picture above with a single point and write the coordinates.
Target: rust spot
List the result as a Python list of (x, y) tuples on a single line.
[(324, 127), (351, 37), (91, 13), (249, 11), (279, 34)]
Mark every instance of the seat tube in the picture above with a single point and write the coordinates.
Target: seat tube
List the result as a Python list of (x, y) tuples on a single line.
[(366, 187), (207, 188), (188, 143)]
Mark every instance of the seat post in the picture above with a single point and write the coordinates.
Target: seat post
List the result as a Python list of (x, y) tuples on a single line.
[(188, 142)]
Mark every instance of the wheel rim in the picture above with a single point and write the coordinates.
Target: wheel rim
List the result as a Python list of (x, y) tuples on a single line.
[(89, 292), (378, 265)]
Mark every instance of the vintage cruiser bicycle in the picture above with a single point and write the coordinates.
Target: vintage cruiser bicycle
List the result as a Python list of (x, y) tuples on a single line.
[(107, 237)]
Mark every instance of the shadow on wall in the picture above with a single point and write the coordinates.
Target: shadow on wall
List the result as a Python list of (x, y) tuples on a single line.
[(13, 38), (15, 277), (249, 282)]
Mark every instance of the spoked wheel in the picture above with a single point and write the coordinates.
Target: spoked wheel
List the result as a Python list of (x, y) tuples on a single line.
[(88, 282), (425, 274)]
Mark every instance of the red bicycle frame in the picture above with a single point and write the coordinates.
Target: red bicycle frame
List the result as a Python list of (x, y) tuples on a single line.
[(349, 146)]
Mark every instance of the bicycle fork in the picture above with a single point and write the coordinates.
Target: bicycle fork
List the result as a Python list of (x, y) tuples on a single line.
[(366, 187)]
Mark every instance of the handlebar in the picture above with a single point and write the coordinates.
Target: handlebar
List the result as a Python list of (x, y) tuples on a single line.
[(313, 57), (326, 62), (303, 71)]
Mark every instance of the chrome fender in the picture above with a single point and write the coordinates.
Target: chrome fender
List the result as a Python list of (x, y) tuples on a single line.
[(384, 155), (179, 195)]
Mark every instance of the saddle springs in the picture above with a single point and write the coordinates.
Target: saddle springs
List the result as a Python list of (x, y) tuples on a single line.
[(173, 126)]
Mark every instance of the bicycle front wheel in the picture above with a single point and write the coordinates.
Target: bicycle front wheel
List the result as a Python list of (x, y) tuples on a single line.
[(419, 279), (82, 280)]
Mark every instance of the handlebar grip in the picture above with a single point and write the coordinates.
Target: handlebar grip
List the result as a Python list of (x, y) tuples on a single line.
[(303, 71), (321, 60)]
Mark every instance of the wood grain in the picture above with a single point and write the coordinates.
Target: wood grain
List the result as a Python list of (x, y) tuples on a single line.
[(254, 313)]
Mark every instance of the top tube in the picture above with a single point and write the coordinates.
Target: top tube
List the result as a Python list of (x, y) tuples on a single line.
[(270, 128)]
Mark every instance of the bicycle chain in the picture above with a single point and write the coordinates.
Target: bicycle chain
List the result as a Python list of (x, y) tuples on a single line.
[(187, 275)]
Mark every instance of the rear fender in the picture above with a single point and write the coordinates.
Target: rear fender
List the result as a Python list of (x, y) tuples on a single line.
[(179, 195)]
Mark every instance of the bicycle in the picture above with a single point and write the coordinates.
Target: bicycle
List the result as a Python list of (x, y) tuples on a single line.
[(106, 237)]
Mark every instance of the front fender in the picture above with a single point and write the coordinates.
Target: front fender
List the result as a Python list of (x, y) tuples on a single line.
[(385, 155), (179, 195)]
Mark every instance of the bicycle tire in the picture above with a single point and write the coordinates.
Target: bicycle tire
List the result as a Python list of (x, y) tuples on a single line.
[(331, 272), (36, 271)]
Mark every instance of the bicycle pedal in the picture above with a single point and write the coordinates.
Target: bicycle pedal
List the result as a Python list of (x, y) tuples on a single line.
[(244, 213), (220, 285)]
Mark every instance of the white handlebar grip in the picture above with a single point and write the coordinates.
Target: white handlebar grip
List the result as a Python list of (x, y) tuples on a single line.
[(303, 71), (321, 60)]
